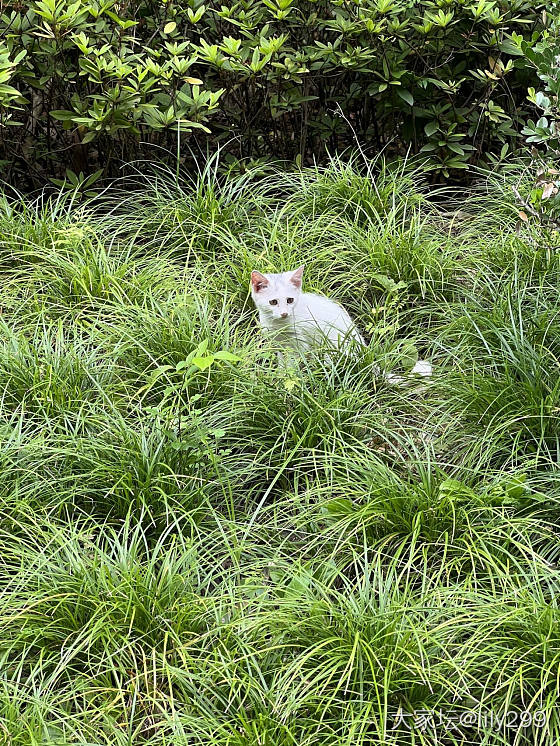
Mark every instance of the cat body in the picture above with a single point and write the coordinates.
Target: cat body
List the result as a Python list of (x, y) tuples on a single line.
[(301, 320)]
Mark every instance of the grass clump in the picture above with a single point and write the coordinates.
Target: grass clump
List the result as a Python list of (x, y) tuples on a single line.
[(200, 547)]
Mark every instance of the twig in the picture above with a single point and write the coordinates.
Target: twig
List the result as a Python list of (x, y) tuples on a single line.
[(525, 204)]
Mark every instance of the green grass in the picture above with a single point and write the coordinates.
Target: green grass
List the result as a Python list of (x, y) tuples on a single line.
[(202, 548)]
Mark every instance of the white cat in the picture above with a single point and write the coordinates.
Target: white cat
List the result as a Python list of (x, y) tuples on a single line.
[(302, 320)]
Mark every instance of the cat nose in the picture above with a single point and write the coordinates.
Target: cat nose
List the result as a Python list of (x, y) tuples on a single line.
[(284, 315)]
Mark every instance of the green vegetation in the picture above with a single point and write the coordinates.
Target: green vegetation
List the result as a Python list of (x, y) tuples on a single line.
[(542, 135), (201, 548), (90, 85)]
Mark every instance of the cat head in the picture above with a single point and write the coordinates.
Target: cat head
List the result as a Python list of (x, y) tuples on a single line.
[(277, 294)]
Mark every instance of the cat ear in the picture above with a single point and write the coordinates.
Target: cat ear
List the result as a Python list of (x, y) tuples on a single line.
[(258, 281), (295, 279)]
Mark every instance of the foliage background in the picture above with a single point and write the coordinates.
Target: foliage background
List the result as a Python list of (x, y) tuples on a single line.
[(200, 547), (89, 85)]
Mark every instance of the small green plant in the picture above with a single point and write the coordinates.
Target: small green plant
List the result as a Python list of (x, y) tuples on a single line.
[(79, 184)]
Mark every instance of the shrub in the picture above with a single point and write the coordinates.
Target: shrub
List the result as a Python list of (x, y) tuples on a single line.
[(543, 135), (85, 84)]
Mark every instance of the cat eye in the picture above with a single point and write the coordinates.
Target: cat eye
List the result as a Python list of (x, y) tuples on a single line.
[(289, 300), (273, 302)]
